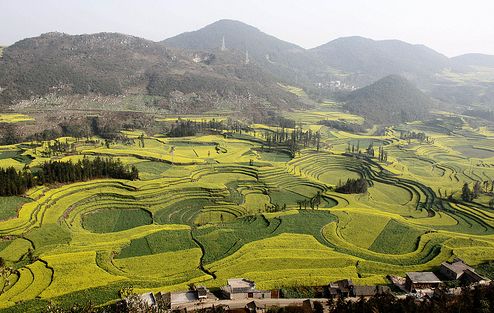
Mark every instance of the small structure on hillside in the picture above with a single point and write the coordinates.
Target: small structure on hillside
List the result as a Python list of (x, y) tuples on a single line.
[(241, 288), (454, 270), (170, 300), (459, 270), (370, 291), (470, 277), (421, 280), (202, 292), (341, 288)]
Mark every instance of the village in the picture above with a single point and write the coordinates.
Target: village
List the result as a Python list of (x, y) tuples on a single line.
[(241, 294)]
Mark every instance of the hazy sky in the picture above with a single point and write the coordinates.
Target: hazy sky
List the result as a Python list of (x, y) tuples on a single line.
[(451, 27)]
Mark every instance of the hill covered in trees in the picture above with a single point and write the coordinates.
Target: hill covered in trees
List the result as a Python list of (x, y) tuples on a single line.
[(392, 99), (287, 61), (373, 59), (193, 73), (112, 65)]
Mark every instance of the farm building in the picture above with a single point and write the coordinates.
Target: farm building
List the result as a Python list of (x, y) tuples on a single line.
[(471, 277), (174, 299), (342, 288), (455, 270), (421, 280), (458, 270), (346, 288), (369, 291), (241, 288)]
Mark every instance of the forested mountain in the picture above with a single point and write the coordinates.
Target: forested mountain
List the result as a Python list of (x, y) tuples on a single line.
[(374, 59), (287, 61), (392, 99), (115, 64)]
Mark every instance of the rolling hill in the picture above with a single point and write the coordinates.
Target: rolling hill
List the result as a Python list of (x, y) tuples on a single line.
[(474, 59), (113, 65), (287, 61), (373, 59), (391, 99)]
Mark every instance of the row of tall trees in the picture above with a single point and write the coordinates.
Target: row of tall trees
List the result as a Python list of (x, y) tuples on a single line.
[(293, 139), (184, 128), (382, 155), (14, 182)]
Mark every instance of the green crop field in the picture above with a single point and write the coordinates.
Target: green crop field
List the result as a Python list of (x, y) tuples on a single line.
[(216, 206)]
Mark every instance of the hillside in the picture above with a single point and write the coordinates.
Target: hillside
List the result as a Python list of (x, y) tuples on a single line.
[(373, 59), (392, 99), (287, 61), (474, 59), (109, 64)]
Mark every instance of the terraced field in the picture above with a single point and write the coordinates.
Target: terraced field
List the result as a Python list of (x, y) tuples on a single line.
[(208, 208)]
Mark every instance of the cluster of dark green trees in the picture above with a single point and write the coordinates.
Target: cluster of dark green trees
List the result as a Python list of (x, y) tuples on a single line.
[(420, 136), (293, 139), (359, 185), (469, 195), (344, 126), (14, 182), (184, 128)]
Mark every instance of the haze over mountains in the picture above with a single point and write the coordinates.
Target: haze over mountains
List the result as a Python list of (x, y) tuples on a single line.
[(192, 71)]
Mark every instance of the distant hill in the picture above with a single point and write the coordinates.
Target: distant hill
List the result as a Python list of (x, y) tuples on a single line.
[(474, 59), (287, 61), (392, 99), (114, 64), (374, 59), (191, 72), (104, 63)]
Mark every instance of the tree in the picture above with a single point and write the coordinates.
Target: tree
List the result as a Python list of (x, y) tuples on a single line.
[(466, 194), (491, 203), (476, 190)]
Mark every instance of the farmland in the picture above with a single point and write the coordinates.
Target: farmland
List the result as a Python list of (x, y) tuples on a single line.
[(214, 206)]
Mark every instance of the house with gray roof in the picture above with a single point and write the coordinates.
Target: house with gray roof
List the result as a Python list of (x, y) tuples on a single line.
[(421, 280)]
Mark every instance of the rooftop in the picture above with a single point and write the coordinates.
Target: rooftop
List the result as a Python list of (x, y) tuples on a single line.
[(457, 267), (241, 283), (475, 276), (423, 277), (183, 297)]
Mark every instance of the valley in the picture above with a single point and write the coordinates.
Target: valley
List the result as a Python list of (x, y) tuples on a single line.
[(229, 204), (130, 166)]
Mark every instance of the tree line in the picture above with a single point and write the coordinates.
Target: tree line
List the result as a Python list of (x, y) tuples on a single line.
[(13, 182), (478, 188), (293, 139)]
